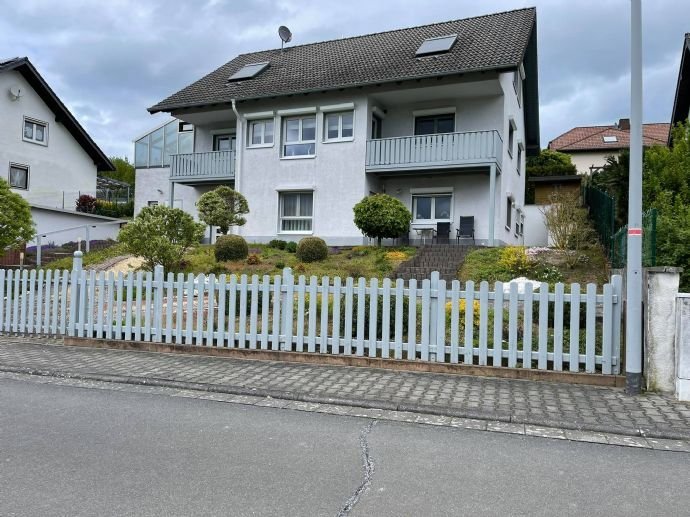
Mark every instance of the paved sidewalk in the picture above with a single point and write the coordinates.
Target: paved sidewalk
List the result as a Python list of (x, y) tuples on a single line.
[(565, 406)]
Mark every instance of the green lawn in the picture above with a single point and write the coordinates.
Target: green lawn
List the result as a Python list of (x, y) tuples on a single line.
[(359, 261)]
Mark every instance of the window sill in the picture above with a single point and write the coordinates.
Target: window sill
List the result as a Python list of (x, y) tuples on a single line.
[(18, 188), (260, 146), (510, 153), (303, 157), (338, 140), (295, 233), (44, 144), (508, 229)]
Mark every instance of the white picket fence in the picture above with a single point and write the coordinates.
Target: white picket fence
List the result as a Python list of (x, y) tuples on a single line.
[(577, 330)]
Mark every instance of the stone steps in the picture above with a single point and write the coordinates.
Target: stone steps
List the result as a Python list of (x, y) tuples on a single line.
[(444, 258)]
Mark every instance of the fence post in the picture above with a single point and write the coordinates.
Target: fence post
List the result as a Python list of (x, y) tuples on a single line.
[(38, 250), (77, 262), (286, 307), (88, 239), (433, 311), (158, 301)]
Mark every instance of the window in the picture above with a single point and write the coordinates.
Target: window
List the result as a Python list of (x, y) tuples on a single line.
[(35, 131), (261, 133), (299, 136), (519, 159), (249, 71), (223, 142), (433, 124), (438, 45), (511, 136), (610, 139), (375, 127), (509, 213), (19, 176), (435, 207), (296, 212), (339, 126), (155, 149), (152, 203)]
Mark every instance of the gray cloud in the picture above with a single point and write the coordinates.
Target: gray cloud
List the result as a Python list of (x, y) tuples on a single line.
[(109, 61)]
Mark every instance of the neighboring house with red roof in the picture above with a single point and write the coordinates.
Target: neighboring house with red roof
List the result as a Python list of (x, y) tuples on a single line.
[(590, 146)]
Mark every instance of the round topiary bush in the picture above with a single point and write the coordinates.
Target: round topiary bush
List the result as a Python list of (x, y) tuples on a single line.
[(291, 247), (312, 249), (230, 247)]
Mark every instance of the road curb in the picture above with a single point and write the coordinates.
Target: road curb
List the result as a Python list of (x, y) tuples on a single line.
[(477, 414)]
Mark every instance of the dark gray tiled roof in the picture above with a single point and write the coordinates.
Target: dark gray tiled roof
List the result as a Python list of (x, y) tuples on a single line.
[(494, 41)]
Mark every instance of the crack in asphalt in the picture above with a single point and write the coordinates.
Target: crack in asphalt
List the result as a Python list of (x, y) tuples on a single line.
[(368, 467)]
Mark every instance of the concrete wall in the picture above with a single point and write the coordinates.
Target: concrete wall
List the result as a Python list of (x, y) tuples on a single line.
[(60, 166), (51, 220), (682, 352), (536, 233)]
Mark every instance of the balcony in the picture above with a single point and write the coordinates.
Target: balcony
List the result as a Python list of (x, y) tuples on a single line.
[(202, 167), (465, 150)]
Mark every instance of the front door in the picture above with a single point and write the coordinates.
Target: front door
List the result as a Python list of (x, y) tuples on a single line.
[(223, 142)]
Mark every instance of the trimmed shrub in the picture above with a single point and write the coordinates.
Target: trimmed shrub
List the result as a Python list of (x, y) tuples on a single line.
[(312, 249), (291, 247), (230, 247), (277, 244), (86, 203)]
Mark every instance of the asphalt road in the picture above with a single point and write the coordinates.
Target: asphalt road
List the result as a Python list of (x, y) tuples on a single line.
[(74, 451)]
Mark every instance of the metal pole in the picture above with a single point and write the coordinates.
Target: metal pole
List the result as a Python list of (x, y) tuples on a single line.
[(633, 320), (39, 244)]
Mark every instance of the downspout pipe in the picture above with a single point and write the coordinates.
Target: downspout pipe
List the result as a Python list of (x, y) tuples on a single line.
[(239, 139)]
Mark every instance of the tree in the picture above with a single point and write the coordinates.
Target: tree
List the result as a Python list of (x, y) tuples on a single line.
[(550, 163), (16, 224), (613, 179), (666, 187), (161, 235), (568, 225), (124, 170), (382, 217), (223, 207)]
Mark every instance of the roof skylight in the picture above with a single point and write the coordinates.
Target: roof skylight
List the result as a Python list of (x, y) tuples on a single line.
[(249, 71), (610, 139), (438, 45)]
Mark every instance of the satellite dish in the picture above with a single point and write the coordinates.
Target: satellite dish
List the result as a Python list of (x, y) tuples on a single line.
[(15, 92), (285, 35)]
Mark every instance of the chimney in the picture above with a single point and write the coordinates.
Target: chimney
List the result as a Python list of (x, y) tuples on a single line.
[(624, 124)]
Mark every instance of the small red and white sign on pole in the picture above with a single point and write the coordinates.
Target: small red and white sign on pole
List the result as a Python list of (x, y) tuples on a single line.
[(635, 232)]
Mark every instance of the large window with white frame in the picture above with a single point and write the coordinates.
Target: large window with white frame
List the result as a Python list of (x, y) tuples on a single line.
[(261, 133), (296, 212), (19, 176), (299, 136), (155, 148), (432, 207), (35, 131), (339, 127)]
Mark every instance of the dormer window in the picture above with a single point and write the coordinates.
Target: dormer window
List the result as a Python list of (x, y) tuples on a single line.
[(249, 71), (439, 45)]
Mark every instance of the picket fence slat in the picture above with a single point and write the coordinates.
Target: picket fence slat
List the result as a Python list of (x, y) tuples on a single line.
[(372, 318)]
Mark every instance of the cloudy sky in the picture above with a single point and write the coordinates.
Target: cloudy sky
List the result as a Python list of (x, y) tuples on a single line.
[(110, 60)]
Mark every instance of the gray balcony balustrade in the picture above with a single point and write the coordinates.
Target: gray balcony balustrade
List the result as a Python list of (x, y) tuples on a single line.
[(445, 150), (201, 167)]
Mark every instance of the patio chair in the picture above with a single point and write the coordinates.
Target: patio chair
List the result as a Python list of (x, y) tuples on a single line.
[(466, 229), (442, 232)]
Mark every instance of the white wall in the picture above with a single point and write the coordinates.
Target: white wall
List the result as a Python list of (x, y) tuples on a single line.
[(586, 159), (536, 233), (50, 220), (61, 166)]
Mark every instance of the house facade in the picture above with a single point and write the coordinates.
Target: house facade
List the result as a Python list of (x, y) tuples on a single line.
[(45, 154), (440, 116), (591, 146)]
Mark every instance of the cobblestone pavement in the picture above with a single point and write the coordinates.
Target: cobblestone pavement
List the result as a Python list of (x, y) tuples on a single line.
[(504, 401)]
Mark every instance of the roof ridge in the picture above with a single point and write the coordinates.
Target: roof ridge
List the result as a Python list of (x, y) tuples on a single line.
[(391, 31)]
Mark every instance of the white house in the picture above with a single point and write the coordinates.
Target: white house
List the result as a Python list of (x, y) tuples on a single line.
[(45, 154), (440, 116)]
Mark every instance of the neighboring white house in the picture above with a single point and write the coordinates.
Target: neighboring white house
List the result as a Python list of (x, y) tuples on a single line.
[(440, 116), (45, 154)]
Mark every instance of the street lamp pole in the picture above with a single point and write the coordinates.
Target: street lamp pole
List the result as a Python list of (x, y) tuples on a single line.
[(633, 320)]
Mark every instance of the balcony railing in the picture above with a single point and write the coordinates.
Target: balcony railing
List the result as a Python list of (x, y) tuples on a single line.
[(202, 166), (445, 150)]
